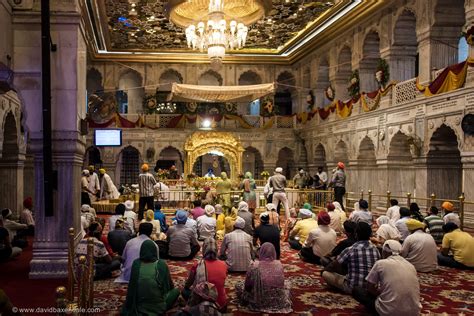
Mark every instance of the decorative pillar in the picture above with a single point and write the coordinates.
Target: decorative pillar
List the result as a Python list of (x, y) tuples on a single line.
[(401, 62)]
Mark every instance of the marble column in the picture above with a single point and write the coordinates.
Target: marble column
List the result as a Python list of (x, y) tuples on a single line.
[(401, 62), (11, 186), (467, 186)]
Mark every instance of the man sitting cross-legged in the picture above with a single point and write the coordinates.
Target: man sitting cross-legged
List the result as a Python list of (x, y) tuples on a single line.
[(359, 259)]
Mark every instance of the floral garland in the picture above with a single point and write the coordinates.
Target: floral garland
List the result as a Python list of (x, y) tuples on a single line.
[(329, 92), (354, 85), (150, 104), (382, 75)]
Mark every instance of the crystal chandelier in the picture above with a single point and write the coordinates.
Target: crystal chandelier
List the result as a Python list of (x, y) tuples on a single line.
[(215, 25)]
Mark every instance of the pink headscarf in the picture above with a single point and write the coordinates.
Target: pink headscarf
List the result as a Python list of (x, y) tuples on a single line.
[(271, 270), (267, 252)]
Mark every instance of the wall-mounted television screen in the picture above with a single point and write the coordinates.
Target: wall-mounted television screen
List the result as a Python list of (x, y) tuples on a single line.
[(108, 137)]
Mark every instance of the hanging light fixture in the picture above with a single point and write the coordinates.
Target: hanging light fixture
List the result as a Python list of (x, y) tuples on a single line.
[(216, 25)]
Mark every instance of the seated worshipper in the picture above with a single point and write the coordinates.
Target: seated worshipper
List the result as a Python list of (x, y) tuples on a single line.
[(160, 216), (85, 198), (207, 223), (386, 230), (210, 173), (335, 223), (392, 285), (338, 209), (393, 212), (460, 244), (26, 216), (220, 222), (434, 224), (359, 259), (302, 228), (103, 237), (349, 230), (363, 214), (150, 290), (130, 213), (237, 248), (197, 210), (320, 242), (120, 212), (182, 241), (149, 217), (229, 220), (6, 249), (208, 269), (104, 265), (449, 215), (264, 287), (132, 251), (266, 232), (243, 212), (401, 224), (119, 237), (190, 222), (16, 231), (273, 214), (415, 212), (202, 302), (290, 223), (419, 248), (88, 215)]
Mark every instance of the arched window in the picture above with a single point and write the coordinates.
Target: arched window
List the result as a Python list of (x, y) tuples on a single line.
[(463, 49), (130, 96), (130, 162)]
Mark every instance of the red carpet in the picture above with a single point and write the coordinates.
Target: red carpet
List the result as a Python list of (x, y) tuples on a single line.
[(445, 291)]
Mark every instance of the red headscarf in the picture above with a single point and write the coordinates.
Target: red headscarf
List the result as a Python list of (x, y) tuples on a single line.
[(28, 203)]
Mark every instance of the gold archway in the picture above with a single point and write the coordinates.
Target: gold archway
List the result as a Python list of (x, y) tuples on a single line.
[(201, 143)]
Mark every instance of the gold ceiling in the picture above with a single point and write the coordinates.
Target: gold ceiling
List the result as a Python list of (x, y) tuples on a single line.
[(115, 31)]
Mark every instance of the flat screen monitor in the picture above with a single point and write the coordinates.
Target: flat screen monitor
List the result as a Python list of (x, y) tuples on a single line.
[(108, 137)]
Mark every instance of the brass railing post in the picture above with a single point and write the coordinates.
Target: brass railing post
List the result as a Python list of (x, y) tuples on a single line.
[(461, 209), (432, 199), (408, 199), (388, 198), (70, 267), (90, 273), (82, 283), (370, 200)]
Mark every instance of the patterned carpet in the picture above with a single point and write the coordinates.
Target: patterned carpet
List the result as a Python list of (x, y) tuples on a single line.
[(447, 291)]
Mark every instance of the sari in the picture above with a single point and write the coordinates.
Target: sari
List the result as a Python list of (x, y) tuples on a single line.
[(220, 222), (338, 210), (150, 290), (265, 289), (229, 221), (249, 186)]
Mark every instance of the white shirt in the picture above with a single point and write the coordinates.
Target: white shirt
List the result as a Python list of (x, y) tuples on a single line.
[(393, 213), (130, 254), (420, 250), (398, 285), (206, 226), (94, 184), (335, 223), (361, 216), (129, 223), (322, 240), (401, 225), (452, 218), (323, 176)]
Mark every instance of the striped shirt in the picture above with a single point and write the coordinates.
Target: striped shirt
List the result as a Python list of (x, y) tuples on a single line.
[(435, 225), (146, 181), (238, 248), (359, 258)]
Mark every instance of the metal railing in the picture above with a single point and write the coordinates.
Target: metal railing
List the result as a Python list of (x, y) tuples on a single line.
[(379, 203)]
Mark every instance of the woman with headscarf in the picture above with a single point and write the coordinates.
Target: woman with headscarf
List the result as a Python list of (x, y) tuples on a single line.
[(229, 220), (264, 288), (249, 186), (290, 223), (150, 290), (244, 212), (338, 210), (386, 231), (220, 222), (150, 218), (208, 269), (206, 224)]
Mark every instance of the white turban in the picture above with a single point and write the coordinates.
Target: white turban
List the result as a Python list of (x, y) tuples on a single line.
[(243, 206), (279, 170), (239, 223), (210, 210), (270, 207), (129, 205), (85, 172), (85, 208), (392, 246), (304, 213)]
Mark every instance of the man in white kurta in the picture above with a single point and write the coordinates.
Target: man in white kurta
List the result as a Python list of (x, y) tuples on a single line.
[(94, 184), (108, 190)]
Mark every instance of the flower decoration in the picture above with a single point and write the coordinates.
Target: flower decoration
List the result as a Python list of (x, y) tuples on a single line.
[(268, 107), (150, 103), (163, 174), (265, 174), (382, 74), (468, 35), (329, 92), (191, 106), (354, 85), (310, 100)]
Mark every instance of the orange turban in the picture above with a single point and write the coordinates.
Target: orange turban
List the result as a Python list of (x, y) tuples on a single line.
[(448, 206), (340, 165), (145, 167)]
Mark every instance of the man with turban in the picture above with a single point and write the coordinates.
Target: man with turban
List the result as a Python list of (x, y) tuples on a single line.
[(94, 184), (206, 224), (449, 215), (266, 232), (278, 184), (183, 244), (392, 285), (237, 248), (338, 182), (108, 190), (85, 198), (146, 182), (457, 248), (420, 248), (300, 232), (320, 242), (26, 216)]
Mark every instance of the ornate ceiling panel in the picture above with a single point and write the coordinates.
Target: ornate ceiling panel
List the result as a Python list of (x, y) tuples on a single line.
[(149, 29)]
